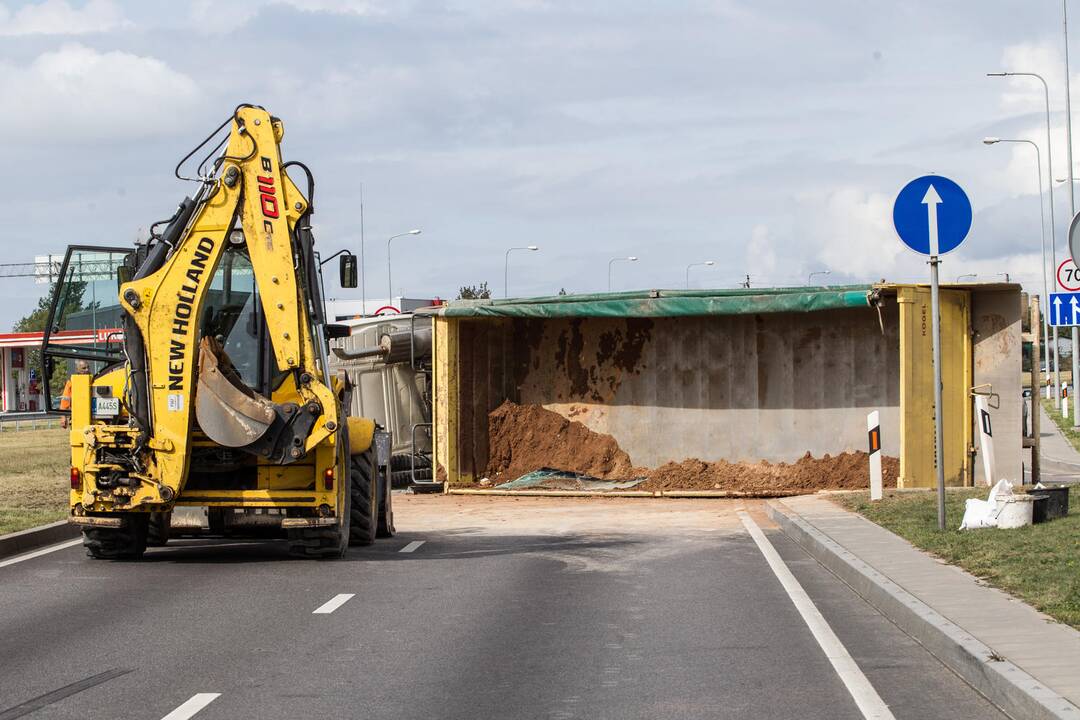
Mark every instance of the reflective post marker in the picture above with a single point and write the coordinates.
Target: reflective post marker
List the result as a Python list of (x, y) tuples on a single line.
[(986, 438), (873, 431)]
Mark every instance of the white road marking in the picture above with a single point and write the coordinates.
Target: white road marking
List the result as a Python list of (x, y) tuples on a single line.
[(196, 703), (332, 604), (39, 553), (862, 692), (411, 547)]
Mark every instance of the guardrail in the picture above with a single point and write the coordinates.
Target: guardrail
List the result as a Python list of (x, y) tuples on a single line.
[(29, 423)]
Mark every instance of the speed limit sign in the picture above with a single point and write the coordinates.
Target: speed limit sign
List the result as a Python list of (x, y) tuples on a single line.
[(1068, 276)]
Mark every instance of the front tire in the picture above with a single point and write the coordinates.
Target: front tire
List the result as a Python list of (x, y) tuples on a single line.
[(363, 486), (127, 542)]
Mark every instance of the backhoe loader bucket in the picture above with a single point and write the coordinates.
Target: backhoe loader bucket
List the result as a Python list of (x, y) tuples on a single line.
[(229, 412)]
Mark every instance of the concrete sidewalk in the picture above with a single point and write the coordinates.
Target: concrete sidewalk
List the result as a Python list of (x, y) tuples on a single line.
[(1021, 659), (1060, 460)]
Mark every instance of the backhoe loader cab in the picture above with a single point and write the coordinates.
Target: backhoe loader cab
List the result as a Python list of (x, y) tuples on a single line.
[(209, 381)]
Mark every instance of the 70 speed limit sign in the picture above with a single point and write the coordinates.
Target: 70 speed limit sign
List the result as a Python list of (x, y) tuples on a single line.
[(1068, 276)]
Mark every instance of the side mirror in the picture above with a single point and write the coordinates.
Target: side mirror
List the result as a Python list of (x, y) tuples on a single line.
[(347, 271), (124, 274)]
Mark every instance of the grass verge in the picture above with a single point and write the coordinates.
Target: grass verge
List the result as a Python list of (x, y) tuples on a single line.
[(33, 478), (1071, 434), (1038, 564)]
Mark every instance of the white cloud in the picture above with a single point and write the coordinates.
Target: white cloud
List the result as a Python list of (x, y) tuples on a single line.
[(760, 253), (58, 17), (213, 16), (850, 230), (1026, 94), (77, 93)]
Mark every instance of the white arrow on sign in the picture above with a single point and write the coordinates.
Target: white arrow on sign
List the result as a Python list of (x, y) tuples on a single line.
[(931, 200), (1057, 311), (1075, 310)]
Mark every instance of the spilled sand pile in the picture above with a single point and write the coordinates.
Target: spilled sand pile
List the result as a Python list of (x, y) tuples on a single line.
[(525, 438)]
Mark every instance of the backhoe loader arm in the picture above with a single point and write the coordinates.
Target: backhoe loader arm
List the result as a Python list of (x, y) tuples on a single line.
[(251, 193)]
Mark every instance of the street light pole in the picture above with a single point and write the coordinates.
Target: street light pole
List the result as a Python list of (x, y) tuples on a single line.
[(506, 268), (612, 261), (1046, 286), (389, 276), (363, 273), (1072, 185), (810, 277), (1053, 230), (700, 264), (959, 278)]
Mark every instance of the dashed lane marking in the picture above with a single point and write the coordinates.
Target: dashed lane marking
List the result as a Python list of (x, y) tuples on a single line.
[(411, 547), (193, 705), (862, 692), (332, 604), (39, 553)]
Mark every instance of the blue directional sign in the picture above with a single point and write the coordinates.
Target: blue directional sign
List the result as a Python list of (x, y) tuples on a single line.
[(1064, 309), (932, 215)]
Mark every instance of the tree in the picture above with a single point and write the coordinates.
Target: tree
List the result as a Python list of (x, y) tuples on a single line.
[(35, 321), (474, 292)]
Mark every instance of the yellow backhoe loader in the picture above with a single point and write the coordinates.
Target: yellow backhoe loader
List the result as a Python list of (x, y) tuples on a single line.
[(210, 384)]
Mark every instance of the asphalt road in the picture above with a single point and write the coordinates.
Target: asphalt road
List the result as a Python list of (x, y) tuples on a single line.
[(497, 609)]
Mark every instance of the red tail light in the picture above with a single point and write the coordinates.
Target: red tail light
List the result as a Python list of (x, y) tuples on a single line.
[(76, 479), (328, 478)]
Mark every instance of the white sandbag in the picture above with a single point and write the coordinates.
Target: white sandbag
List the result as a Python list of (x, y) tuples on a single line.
[(984, 513), (979, 514)]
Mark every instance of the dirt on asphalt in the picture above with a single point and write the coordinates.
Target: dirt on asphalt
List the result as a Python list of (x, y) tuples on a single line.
[(525, 438)]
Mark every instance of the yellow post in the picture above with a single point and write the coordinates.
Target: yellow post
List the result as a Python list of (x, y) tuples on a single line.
[(917, 454), (446, 391)]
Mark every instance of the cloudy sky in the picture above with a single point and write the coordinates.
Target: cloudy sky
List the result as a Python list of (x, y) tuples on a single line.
[(767, 135)]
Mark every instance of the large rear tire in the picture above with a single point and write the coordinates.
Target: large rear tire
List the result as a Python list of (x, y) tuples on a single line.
[(363, 486), (127, 542)]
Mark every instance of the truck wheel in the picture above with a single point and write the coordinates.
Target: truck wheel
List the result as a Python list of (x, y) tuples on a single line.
[(127, 542), (157, 533), (215, 521), (385, 526), (322, 542), (365, 499)]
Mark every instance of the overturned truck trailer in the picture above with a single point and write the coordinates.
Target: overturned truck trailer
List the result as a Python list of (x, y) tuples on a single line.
[(737, 375)]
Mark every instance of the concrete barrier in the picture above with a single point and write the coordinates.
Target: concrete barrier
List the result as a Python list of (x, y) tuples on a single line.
[(34, 538)]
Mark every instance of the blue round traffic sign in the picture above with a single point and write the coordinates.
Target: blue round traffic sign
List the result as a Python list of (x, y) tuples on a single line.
[(932, 210)]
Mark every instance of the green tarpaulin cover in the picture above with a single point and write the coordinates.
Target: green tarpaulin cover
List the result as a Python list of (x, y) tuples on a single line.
[(665, 303)]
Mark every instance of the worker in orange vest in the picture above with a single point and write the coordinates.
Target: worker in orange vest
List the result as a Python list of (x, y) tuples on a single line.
[(81, 368)]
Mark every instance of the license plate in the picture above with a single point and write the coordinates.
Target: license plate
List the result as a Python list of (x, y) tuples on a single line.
[(106, 407)]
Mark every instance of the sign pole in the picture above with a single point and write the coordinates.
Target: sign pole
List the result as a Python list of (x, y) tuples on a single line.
[(935, 314), (932, 200)]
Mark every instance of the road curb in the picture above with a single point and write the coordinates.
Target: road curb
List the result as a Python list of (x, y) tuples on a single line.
[(1006, 685), (683, 494), (24, 540)]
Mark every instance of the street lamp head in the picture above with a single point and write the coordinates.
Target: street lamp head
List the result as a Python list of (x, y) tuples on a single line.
[(709, 262), (632, 258), (997, 74), (532, 247), (991, 140), (414, 232)]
